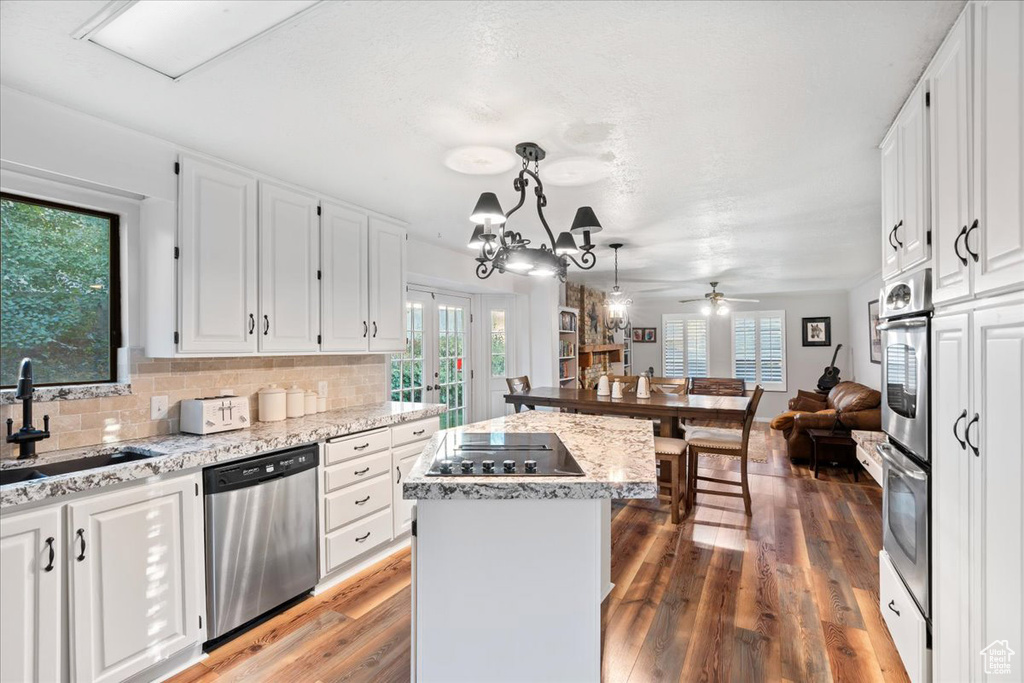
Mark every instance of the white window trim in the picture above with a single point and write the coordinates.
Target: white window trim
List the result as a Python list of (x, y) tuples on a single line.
[(757, 315), (677, 317)]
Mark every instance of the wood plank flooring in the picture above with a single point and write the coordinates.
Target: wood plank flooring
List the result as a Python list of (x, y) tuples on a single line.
[(790, 594)]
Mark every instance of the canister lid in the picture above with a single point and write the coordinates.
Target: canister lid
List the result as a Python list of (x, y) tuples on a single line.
[(272, 389)]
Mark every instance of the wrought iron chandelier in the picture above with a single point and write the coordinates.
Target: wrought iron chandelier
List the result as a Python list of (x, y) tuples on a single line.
[(616, 305), (507, 250)]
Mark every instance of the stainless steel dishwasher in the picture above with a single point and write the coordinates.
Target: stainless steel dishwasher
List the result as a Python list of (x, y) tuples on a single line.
[(261, 543)]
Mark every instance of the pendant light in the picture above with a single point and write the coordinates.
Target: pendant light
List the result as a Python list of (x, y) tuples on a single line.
[(616, 305)]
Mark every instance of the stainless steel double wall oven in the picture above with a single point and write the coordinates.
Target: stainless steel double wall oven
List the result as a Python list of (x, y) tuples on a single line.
[(905, 314)]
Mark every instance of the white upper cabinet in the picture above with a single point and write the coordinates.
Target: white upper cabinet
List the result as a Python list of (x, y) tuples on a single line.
[(948, 83), (387, 286), (31, 595), (135, 577), (289, 308), (998, 239), (905, 231), (217, 243), (912, 234), (890, 206), (344, 253)]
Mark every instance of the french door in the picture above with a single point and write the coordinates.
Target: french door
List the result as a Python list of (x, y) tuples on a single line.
[(434, 368)]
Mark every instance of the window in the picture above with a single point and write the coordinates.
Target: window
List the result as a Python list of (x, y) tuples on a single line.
[(759, 348), (60, 292), (407, 367), (684, 345), (498, 345)]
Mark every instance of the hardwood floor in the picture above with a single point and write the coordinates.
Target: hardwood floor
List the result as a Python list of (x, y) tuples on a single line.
[(789, 594)]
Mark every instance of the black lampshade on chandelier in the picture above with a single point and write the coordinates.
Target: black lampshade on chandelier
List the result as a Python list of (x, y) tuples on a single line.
[(507, 250)]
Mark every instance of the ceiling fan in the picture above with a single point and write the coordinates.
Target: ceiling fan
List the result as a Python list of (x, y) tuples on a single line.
[(716, 302)]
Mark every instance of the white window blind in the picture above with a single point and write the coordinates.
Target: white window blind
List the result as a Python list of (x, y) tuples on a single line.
[(684, 342), (759, 348)]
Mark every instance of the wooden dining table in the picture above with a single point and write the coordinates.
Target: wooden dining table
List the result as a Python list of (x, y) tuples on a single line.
[(668, 408)]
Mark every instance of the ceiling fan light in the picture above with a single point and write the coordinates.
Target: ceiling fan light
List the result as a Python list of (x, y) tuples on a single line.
[(585, 222), (706, 309), (477, 240), (722, 310), (565, 244), (487, 210)]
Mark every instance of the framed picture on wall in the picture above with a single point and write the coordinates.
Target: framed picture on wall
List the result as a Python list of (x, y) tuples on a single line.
[(638, 334), (645, 335), (874, 334), (817, 331)]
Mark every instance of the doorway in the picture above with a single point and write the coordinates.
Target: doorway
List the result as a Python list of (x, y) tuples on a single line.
[(434, 368)]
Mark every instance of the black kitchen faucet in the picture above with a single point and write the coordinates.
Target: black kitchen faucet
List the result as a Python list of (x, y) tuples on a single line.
[(28, 435)]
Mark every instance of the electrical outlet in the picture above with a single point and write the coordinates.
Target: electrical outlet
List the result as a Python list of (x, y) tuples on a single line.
[(321, 388), (158, 408)]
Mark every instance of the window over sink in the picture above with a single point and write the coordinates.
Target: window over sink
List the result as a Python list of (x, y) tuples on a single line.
[(59, 291)]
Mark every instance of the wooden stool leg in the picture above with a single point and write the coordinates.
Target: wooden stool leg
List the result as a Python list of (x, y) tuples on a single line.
[(745, 485), (674, 473)]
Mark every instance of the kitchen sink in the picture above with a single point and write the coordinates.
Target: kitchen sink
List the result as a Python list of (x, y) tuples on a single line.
[(29, 472)]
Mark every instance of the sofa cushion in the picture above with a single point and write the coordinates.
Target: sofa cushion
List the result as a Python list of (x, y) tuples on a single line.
[(848, 397)]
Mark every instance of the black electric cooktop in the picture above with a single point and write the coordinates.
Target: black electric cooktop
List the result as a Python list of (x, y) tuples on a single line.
[(510, 455)]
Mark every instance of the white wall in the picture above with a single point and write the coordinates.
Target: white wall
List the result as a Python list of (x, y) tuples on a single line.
[(804, 365), (862, 369)]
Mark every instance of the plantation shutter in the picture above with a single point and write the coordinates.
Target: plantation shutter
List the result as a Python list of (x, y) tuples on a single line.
[(773, 370), (744, 339), (759, 348), (684, 346)]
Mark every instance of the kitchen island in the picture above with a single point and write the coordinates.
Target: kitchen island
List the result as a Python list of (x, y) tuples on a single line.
[(509, 571)]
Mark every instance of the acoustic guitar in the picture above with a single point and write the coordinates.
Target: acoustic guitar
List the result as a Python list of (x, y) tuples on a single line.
[(830, 378)]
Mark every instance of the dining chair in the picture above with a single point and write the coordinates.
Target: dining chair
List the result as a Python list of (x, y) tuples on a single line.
[(670, 385), (628, 382), (671, 457), (517, 385), (718, 386), (704, 442)]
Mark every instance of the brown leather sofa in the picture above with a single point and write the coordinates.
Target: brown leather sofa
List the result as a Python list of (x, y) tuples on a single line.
[(859, 407)]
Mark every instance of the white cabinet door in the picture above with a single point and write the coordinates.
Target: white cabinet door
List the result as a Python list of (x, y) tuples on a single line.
[(31, 596), (997, 472), (403, 457), (999, 145), (217, 244), (950, 523), (950, 160), (345, 259), (135, 570), (289, 262), (387, 286), (912, 235), (890, 205)]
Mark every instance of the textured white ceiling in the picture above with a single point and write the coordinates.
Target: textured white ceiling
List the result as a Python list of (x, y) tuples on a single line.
[(740, 137)]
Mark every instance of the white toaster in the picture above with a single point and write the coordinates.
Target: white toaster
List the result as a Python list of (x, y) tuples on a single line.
[(214, 414)]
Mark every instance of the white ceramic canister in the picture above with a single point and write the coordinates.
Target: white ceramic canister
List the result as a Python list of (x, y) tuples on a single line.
[(296, 402), (321, 404), (310, 403), (271, 405)]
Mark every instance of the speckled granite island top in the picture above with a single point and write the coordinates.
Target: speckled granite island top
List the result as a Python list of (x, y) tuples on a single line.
[(185, 451), (616, 454)]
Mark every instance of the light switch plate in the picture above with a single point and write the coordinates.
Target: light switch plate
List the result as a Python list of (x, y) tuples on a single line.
[(158, 408)]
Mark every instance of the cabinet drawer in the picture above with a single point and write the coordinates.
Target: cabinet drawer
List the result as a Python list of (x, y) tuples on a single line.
[(906, 624), (355, 446), (873, 467), (355, 539), (355, 470), (413, 431), (407, 451), (358, 500)]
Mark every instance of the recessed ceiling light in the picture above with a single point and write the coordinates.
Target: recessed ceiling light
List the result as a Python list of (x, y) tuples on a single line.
[(175, 37), (573, 171), (480, 160)]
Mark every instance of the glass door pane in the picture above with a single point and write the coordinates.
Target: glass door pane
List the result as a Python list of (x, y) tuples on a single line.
[(408, 369), (452, 382)]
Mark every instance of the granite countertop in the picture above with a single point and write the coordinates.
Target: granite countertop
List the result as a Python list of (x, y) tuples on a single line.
[(867, 440), (616, 454), (186, 451)]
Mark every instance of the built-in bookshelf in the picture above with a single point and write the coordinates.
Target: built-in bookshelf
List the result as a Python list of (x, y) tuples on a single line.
[(627, 350), (568, 345)]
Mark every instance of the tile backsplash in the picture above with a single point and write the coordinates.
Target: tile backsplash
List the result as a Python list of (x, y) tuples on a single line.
[(351, 381)]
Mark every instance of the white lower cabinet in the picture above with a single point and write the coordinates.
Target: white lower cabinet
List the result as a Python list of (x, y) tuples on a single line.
[(978, 488), (134, 577), (403, 458), (904, 620), (31, 590)]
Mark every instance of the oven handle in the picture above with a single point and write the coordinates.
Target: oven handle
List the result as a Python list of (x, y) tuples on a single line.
[(885, 450), (902, 323)]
